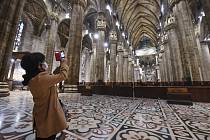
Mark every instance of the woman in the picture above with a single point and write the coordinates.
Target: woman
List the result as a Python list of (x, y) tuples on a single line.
[(48, 116)]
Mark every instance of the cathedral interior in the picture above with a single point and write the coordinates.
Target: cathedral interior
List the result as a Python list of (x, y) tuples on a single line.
[(138, 69)]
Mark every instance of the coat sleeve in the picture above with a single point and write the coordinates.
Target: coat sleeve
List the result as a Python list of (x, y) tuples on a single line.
[(51, 80)]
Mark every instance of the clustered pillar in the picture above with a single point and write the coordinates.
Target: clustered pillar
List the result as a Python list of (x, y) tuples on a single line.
[(125, 66), (51, 40), (130, 69), (75, 41), (176, 62), (206, 60), (101, 27), (10, 13), (93, 63), (113, 53), (120, 62), (188, 46), (206, 7), (181, 58)]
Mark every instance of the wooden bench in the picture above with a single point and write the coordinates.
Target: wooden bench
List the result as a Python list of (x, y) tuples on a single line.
[(179, 96)]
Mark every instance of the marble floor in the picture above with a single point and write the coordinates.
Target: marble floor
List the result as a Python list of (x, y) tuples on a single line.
[(110, 118)]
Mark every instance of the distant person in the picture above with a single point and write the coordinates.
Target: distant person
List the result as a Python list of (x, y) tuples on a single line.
[(48, 116)]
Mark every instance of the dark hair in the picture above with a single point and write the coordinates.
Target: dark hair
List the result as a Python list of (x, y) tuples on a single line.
[(30, 63)]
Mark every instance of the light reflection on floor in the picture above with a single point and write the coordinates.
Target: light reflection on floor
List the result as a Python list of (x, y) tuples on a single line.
[(107, 117)]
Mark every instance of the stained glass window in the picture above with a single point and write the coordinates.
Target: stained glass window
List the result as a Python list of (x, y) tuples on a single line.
[(18, 37)]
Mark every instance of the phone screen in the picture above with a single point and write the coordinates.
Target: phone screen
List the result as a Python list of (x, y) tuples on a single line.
[(62, 54)]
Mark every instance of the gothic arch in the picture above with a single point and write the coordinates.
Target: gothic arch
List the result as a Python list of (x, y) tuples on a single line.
[(36, 10), (140, 18)]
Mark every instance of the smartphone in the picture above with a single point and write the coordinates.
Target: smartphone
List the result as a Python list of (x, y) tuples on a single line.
[(62, 55), (59, 55)]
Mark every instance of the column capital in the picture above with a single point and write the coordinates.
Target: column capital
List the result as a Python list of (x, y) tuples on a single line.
[(162, 48), (160, 55), (120, 47), (170, 22), (101, 21), (54, 16), (82, 3), (113, 36), (164, 39), (125, 55)]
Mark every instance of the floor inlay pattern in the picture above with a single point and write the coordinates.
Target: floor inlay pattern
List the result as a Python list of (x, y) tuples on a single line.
[(110, 118)]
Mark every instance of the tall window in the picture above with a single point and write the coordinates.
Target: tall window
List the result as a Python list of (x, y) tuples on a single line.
[(18, 37)]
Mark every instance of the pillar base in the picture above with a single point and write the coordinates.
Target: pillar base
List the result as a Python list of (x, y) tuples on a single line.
[(4, 89), (70, 89)]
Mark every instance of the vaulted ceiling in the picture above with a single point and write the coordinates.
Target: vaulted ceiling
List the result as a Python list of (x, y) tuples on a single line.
[(37, 12), (140, 18)]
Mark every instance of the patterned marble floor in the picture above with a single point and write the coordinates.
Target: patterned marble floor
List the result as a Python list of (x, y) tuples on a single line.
[(110, 118)]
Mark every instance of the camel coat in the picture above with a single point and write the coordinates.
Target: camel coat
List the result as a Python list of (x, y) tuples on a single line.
[(48, 114)]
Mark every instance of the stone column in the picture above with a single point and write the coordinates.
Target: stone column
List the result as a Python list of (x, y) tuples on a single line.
[(93, 63), (176, 62), (125, 66), (157, 67), (113, 63), (158, 73), (10, 13), (206, 8), (11, 74), (51, 39), (202, 65), (165, 70), (75, 41), (168, 60), (164, 76), (106, 65), (88, 67), (107, 70), (12, 70), (130, 62), (101, 27), (132, 71), (120, 62), (188, 46), (83, 66), (160, 63), (136, 73), (162, 60), (206, 60), (161, 73)]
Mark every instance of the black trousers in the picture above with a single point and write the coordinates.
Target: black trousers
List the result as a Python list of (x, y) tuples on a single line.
[(49, 138)]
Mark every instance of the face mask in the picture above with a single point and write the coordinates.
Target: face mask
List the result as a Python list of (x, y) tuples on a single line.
[(44, 66)]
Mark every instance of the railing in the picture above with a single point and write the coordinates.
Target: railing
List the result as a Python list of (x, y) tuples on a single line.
[(156, 84)]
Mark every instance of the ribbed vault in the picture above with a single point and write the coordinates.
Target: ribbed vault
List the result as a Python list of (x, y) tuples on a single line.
[(37, 12), (140, 18)]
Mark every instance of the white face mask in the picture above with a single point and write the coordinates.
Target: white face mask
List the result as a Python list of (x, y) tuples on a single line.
[(44, 66)]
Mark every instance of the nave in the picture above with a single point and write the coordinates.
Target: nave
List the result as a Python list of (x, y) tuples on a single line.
[(101, 117)]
